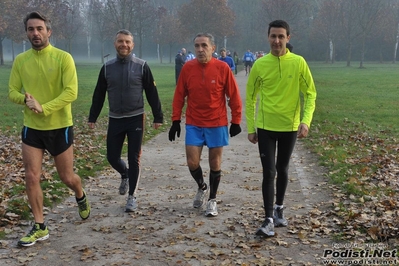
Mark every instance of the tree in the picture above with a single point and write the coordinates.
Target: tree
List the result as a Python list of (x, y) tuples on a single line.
[(291, 11), (4, 8), (144, 17), (389, 21), (298, 14), (9, 10), (349, 28), (213, 17), (326, 27), (366, 16), (101, 19), (159, 36), (134, 15), (168, 31), (384, 35), (69, 15), (87, 15)]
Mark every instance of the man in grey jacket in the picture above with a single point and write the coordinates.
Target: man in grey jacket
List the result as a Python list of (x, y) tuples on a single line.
[(125, 78)]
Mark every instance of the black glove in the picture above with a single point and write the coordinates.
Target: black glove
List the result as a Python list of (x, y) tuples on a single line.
[(174, 129), (235, 129)]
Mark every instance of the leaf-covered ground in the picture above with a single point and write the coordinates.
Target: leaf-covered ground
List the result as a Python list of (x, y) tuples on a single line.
[(166, 230)]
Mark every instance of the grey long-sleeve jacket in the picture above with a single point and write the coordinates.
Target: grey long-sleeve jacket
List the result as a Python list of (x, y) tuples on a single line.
[(125, 79)]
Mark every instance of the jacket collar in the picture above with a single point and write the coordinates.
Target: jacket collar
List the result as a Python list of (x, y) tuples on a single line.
[(42, 51), (124, 59)]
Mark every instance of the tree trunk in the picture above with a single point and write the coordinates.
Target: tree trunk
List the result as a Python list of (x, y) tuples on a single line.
[(396, 46), (362, 51), (88, 47), (349, 55), (1, 53)]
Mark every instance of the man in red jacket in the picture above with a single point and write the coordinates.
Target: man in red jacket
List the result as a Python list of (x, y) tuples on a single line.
[(204, 84)]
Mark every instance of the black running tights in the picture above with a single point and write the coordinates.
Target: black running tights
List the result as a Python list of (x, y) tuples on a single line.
[(269, 142), (118, 130)]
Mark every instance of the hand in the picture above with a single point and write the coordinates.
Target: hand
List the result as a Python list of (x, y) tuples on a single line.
[(32, 104), (156, 125), (235, 129), (92, 125), (174, 129), (303, 131), (253, 138)]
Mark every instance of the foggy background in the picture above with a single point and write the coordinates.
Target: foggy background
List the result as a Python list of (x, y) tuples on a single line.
[(321, 30)]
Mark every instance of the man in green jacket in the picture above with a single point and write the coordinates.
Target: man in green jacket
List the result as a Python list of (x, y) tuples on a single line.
[(278, 78), (44, 80)]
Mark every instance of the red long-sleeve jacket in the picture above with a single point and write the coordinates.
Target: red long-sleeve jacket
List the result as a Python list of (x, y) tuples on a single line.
[(206, 86)]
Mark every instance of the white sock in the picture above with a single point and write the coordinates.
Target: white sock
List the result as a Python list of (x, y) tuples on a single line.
[(270, 219), (278, 206)]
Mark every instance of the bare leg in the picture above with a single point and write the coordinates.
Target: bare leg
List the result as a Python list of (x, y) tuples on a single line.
[(215, 158), (64, 164), (193, 156), (32, 159)]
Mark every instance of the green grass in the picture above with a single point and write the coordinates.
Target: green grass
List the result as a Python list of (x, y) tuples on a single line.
[(360, 95), (355, 122), (354, 125)]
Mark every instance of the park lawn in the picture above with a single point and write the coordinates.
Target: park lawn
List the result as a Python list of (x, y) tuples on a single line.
[(354, 130)]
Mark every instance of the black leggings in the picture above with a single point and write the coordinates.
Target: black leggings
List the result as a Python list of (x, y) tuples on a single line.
[(118, 129), (268, 141)]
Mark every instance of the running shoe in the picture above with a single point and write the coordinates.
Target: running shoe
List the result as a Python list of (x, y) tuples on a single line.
[(211, 208), (84, 207), (267, 229), (278, 217), (35, 234), (131, 204), (199, 199)]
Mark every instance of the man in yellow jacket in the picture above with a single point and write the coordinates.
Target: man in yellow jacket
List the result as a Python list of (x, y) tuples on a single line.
[(278, 79), (44, 80)]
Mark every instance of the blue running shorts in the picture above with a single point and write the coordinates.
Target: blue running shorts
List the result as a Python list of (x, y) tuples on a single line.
[(210, 136)]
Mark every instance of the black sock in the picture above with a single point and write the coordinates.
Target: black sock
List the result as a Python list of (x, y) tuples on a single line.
[(80, 199), (214, 180), (197, 175), (41, 225)]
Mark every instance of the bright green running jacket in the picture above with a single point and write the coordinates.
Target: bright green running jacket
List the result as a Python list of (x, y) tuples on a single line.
[(277, 82), (49, 75)]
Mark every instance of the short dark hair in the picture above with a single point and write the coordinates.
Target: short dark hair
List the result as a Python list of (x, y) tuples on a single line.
[(207, 35), (124, 32), (279, 24), (38, 15)]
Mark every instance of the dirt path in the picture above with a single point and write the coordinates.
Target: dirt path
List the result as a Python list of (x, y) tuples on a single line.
[(166, 230)]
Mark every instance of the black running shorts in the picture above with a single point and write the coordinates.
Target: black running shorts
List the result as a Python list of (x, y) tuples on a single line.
[(54, 141)]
